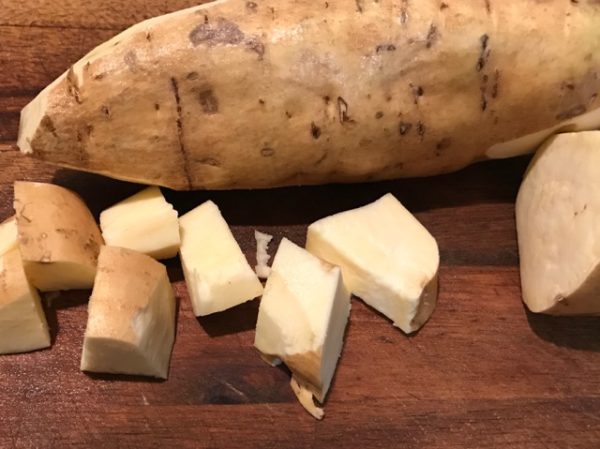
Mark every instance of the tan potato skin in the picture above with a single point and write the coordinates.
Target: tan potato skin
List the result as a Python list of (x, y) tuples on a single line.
[(238, 94), (55, 227)]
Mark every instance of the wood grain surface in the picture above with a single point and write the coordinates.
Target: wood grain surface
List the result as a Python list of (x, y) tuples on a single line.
[(483, 373)]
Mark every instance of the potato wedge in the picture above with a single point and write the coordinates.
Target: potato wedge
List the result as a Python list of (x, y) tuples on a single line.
[(131, 316), (23, 325), (58, 237), (558, 217)]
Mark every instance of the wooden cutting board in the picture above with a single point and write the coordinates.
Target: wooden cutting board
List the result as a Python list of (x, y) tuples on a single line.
[(483, 373)]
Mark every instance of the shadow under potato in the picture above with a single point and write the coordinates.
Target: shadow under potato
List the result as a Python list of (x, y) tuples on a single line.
[(575, 332), (123, 378), (490, 181), (232, 321)]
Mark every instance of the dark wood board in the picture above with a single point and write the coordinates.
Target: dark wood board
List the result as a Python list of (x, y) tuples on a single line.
[(483, 373)]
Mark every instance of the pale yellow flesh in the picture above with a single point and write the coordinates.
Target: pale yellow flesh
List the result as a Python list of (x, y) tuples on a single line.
[(131, 316), (388, 259), (216, 271), (301, 320), (59, 239), (558, 213), (226, 95), (8, 235), (145, 223), (23, 325)]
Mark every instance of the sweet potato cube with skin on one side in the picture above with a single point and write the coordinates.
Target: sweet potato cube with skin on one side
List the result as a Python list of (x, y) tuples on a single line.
[(558, 227), (23, 325), (301, 321), (131, 316), (144, 222), (58, 237), (217, 274), (388, 259)]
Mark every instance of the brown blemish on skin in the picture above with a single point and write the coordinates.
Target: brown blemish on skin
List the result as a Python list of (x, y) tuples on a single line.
[(148, 36), (443, 144), (48, 125), (379, 115), (343, 111), (72, 87), (93, 248), (571, 112), (315, 131), (106, 112), (404, 16), (210, 161), (322, 158), (179, 123), (421, 130), (66, 233), (261, 101), (251, 7), (443, 6), (192, 76), (483, 90), (404, 128), (359, 5), (99, 76), (432, 36), (130, 60), (496, 83), (484, 52), (223, 33), (208, 101), (156, 107), (385, 47), (488, 6), (288, 114), (255, 45), (267, 152), (417, 92)]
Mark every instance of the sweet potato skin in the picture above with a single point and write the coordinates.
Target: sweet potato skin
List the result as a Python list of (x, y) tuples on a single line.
[(240, 94)]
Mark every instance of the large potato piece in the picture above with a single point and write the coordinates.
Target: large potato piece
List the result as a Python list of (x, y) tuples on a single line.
[(216, 271), (131, 316), (558, 225), (301, 321), (387, 257), (238, 94), (58, 237)]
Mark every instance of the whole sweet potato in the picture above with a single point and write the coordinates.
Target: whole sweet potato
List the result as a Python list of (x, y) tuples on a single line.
[(249, 94)]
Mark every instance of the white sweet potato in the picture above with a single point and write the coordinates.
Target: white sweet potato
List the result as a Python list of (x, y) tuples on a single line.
[(238, 94)]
